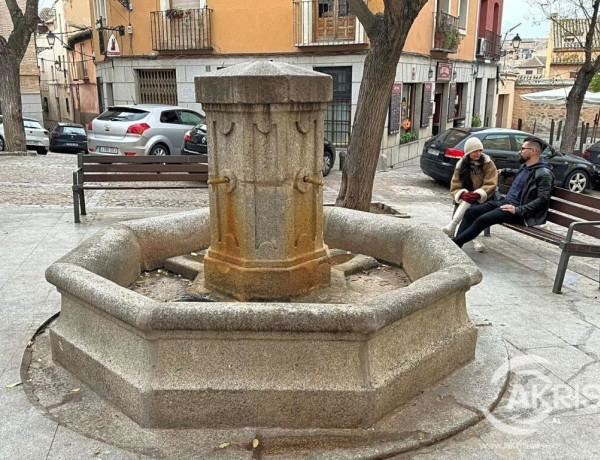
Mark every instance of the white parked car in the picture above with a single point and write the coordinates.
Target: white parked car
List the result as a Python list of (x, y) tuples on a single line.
[(141, 129), (36, 136)]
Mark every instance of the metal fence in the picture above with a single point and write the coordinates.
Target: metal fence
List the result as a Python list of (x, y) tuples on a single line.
[(177, 29)]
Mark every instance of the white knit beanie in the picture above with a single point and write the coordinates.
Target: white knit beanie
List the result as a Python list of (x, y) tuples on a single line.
[(472, 144)]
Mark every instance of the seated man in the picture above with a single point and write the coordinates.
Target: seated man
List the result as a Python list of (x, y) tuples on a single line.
[(526, 202)]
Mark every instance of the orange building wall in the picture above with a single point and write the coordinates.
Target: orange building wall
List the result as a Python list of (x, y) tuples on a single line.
[(266, 26)]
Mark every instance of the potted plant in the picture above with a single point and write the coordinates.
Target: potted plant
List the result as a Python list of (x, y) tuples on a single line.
[(476, 120), (174, 13)]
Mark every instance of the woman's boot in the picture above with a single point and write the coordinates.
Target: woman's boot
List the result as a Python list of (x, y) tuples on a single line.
[(450, 229)]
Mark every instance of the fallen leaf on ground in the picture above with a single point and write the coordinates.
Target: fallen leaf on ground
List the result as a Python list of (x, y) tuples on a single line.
[(193, 254), (255, 443), (97, 452), (75, 390), (223, 445), (421, 436), (12, 385)]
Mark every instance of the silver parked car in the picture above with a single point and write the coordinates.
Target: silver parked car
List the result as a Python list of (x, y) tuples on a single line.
[(142, 129), (36, 137)]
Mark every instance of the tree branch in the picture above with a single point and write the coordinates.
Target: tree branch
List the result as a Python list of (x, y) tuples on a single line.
[(364, 14), (15, 11)]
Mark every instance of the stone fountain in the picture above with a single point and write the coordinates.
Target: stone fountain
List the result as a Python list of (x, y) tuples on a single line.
[(266, 363)]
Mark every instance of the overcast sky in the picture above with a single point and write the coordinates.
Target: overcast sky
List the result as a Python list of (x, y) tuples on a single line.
[(518, 11)]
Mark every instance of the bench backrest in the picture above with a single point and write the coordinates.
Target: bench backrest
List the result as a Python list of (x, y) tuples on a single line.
[(567, 207), (105, 168)]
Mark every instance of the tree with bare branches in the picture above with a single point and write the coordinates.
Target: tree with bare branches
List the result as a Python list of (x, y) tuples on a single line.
[(12, 51), (577, 19), (387, 32)]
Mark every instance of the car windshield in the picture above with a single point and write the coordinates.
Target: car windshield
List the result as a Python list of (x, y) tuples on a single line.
[(122, 114), (452, 137), (73, 130)]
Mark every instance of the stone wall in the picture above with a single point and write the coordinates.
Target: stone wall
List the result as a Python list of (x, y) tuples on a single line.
[(542, 114)]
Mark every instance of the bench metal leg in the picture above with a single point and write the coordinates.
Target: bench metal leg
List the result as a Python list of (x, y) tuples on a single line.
[(487, 232), (76, 206), (82, 202), (560, 271)]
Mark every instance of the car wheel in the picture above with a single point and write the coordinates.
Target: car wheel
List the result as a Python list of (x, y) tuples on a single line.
[(327, 162), (42, 151), (1, 144), (160, 150), (578, 181)]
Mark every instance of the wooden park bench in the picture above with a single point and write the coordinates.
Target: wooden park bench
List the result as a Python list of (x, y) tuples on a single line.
[(574, 211), (101, 172)]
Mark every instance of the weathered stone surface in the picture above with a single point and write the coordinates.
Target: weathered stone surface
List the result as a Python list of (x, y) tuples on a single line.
[(273, 364), (265, 134), (263, 82)]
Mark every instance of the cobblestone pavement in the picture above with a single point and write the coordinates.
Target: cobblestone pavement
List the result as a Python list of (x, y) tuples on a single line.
[(46, 181)]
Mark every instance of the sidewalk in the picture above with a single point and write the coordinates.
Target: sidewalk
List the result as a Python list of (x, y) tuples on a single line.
[(554, 339)]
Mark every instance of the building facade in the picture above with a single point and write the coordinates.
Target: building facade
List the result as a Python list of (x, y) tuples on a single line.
[(30, 78), (447, 72), (565, 47), (67, 69)]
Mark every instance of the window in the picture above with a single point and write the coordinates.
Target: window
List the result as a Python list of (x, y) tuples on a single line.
[(67, 105), (407, 108), (497, 142), (573, 74), (190, 118), (100, 12), (123, 114), (529, 72), (169, 116), (157, 86), (73, 130), (463, 14)]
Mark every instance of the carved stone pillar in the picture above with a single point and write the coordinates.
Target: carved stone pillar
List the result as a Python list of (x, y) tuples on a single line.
[(265, 144)]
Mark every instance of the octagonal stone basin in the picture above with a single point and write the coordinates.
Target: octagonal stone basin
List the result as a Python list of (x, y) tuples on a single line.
[(257, 364)]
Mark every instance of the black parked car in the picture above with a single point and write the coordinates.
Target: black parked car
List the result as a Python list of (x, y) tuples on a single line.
[(68, 137), (194, 143), (592, 154), (442, 152)]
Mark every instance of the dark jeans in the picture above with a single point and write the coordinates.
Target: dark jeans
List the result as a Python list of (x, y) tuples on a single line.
[(478, 218)]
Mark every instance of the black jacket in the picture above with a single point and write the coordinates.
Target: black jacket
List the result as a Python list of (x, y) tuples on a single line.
[(535, 197)]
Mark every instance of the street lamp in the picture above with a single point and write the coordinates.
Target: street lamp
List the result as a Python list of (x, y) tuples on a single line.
[(430, 73), (516, 42), (51, 38)]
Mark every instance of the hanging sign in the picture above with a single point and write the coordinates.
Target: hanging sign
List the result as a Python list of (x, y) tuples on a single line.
[(426, 107), (444, 71), (112, 48), (452, 102), (395, 109)]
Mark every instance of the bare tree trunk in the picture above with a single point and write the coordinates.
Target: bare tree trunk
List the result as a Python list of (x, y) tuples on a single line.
[(575, 103), (12, 51), (360, 165), (10, 84), (387, 32)]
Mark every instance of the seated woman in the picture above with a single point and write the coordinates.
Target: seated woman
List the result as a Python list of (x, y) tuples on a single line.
[(474, 180)]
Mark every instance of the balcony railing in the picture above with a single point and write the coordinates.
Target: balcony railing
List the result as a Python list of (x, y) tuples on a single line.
[(447, 36), (488, 46), (177, 29), (320, 23)]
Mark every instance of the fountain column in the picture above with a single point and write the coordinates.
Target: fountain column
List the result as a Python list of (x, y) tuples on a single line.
[(265, 144)]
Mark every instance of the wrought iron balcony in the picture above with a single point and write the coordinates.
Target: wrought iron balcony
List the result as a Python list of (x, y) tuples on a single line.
[(326, 23), (447, 36), (488, 46), (177, 29)]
